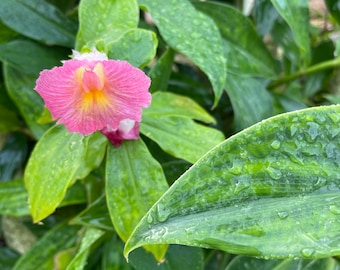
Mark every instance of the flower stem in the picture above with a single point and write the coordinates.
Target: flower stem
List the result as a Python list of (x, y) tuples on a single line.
[(318, 67)]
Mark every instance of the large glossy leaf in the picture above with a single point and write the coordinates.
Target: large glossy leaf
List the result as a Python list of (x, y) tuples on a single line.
[(41, 255), (134, 181), (250, 100), (193, 34), (43, 21), (296, 14), (53, 166), (106, 20), (271, 190), (243, 47), (20, 89), (31, 57), (181, 137)]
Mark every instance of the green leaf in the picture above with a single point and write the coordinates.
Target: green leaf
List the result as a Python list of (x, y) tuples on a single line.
[(13, 198), (168, 104), (271, 190), (296, 14), (52, 168), (6, 33), (181, 137), (193, 34), (134, 181), (12, 156), (91, 236), (161, 71), (137, 46), (106, 20), (9, 120), (243, 47), (177, 257), (43, 21), (265, 16), (96, 215), (250, 100), (41, 255), (20, 89), (7, 258), (30, 57), (243, 262)]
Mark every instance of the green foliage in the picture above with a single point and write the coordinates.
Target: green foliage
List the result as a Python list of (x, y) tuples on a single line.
[(237, 165)]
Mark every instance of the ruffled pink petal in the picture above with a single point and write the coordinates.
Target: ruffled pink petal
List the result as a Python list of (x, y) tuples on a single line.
[(90, 95)]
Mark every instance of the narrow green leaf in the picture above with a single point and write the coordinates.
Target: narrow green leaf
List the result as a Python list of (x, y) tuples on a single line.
[(271, 190), (91, 236), (243, 47), (193, 34), (13, 198), (134, 181), (334, 9), (43, 21), (137, 46), (12, 156), (181, 137), (106, 19), (30, 57), (20, 89), (161, 71), (296, 14), (250, 100), (52, 168), (96, 215), (41, 255), (168, 104), (265, 16)]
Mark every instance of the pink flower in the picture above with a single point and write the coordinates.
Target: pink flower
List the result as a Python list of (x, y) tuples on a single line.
[(90, 93)]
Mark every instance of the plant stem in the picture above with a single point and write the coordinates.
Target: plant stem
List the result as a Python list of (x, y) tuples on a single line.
[(318, 67)]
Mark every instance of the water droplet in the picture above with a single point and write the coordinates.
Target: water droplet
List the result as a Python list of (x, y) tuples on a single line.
[(335, 209), (275, 144), (149, 218), (162, 213), (282, 215), (307, 252), (72, 146), (313, 130), (237, 167), (335, 117), (274, 173), (244, 154)]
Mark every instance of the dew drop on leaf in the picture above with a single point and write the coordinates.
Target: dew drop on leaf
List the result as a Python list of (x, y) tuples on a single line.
[(275, 144)]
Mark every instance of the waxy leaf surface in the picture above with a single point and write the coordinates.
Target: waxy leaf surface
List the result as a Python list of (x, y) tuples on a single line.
[(271, 190), (134, 182), (199, 39)]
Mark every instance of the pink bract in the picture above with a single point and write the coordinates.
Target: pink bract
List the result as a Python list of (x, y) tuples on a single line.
[(90, 93)]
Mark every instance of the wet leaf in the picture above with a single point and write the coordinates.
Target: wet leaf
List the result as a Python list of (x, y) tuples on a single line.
[(132, 191), (193, 34), (181, 137), (115, 18), (137, 46), (43, 21), (271, 190), (52, 168), (243, 47)]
